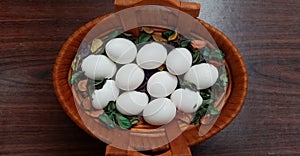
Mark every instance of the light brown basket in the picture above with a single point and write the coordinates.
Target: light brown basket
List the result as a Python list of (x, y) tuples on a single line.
[(233, 99)]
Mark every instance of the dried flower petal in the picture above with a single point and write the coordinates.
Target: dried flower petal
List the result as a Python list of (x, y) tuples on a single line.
[(158, 37), (86, 104), (73, 65), (206, 119), (173, 36), (84, 50), (161, 68), (78, 62), (82, 85), (96, 44), (148, 30), (198, 44)]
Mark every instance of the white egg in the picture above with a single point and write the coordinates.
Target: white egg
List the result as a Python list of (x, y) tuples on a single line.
[(186, 100), (101, 97), (161, 84), (132, 103), (203, 75), (98, 67), (151, 56), (121, 50), (129, 77), (179, 61), (159, 111)]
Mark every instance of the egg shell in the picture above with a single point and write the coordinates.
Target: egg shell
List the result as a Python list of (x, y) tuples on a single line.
[(97, 67), (132, 103), (101, 97), (186, 100), (179, 61), (121, 50), (203, 75), (159, 111), (129, 77), (161, 84), (151, 55)]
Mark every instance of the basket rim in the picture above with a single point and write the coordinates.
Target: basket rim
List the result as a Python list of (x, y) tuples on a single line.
[(61, 85)]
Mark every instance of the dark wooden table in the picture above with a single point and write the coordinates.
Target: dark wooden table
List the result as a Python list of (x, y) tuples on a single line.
[(32, 122)]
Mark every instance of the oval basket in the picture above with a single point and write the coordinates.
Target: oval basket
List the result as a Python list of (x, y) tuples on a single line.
[(234, 98)]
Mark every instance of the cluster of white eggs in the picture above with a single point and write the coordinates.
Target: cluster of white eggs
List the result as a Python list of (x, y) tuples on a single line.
[(131, 75)]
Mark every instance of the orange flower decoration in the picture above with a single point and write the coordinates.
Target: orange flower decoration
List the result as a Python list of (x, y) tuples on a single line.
[(198, 44), (82, 85)]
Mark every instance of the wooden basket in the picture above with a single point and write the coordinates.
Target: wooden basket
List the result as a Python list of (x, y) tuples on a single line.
[(233, 99)]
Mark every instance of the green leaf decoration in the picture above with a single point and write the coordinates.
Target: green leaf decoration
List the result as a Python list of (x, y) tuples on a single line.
[(207, 102), (167, 34), (196, 57), (75, 76), (111, 107), (122, 121), (185, 43), (206, 52), (218, 51), (213, 110), (224, 79), (112, 115), (189, 85), (205, 93), (216, 55), (219, 86), (202, 110), (114, 34), (144, 37), (196, 119), (199, 114), (134, 120), (99, 83), (107, 120)]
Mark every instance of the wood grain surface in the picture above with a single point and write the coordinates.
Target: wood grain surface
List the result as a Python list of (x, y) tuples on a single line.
[(32, 122)]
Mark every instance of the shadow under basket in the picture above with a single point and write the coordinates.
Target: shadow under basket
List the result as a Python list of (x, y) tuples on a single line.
[(232, 103)]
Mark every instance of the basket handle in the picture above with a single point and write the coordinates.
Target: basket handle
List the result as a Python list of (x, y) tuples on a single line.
[(191, 8), (178, 146)]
